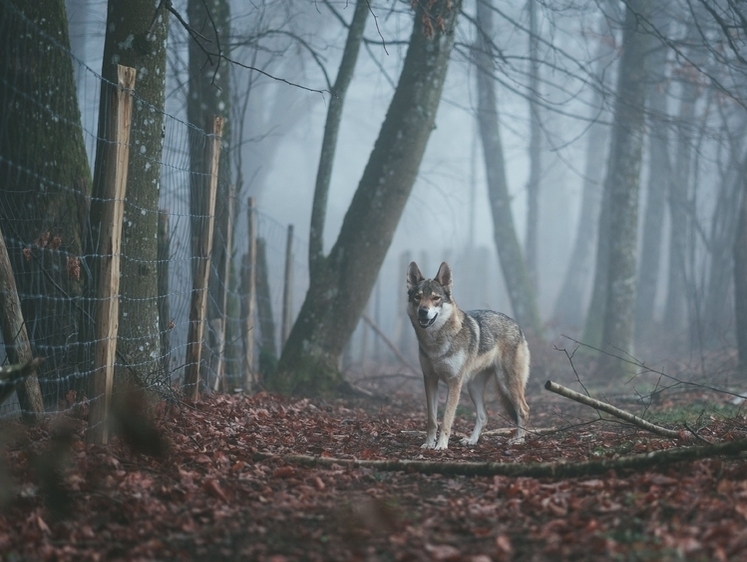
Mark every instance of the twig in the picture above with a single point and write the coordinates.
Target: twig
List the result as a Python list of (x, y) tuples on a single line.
[(535, 470), (604, 407), (389, 343)]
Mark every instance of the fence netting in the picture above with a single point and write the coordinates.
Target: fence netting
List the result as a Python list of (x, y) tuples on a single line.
[(46, 207)]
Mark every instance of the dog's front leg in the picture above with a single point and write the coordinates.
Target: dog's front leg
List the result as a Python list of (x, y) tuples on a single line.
[(431, 404), (454, 386)]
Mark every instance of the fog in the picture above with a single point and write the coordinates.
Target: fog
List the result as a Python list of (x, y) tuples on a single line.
[(447, 216)]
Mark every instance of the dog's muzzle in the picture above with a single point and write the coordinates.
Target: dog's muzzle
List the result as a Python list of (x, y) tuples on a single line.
[(424, 320)]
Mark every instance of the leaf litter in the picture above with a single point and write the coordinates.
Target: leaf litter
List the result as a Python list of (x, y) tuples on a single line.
[(202, 493)]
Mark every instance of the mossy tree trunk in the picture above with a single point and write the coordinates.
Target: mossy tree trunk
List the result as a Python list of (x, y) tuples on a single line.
[(136, 37), (46, 179), (342, 281)]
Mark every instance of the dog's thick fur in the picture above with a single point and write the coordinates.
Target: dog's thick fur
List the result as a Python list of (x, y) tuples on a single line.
[(459, 347)]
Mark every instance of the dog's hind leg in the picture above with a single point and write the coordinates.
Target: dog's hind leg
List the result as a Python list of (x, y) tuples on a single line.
[(511, 392), (476, 388)]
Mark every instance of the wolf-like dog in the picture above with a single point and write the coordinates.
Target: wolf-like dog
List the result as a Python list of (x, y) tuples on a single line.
[(459, 347)]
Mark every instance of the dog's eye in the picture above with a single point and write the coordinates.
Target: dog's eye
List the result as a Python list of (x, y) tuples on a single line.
[(436, 297)]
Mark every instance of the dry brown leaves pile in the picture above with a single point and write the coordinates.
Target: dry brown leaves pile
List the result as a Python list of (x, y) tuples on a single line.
[(206, 498)]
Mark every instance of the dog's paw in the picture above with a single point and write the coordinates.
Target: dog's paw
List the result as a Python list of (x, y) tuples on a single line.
[(516, 441), (428, 445), (442, 445), (467, 441)]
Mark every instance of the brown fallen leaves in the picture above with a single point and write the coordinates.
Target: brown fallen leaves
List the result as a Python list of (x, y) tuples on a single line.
[(207, 499)]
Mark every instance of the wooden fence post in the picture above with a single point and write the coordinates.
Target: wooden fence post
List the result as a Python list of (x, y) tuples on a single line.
[(198, 303), (164, 305), (110, 216), (225, 273), (249, 284), (264, 303), (288, 287), (17, 345)]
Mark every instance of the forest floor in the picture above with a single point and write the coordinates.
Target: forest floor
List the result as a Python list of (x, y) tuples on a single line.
[(214, 481)]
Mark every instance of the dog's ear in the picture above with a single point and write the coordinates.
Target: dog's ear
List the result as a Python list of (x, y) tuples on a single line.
[(444, 276), (413, 275)]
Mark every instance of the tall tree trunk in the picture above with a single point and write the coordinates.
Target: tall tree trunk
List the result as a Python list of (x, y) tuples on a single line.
[(136, 37), (679, 194), (210, 94), (535, 148), (340, 288), (622, 185), (659, 174), (515, 273), (717, 315), (740, 277), (571, 302), (46, 180)]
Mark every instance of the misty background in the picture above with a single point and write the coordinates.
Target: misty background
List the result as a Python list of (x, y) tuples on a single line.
[(278, 121)]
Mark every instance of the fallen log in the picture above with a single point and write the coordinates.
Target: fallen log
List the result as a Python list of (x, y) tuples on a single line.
[(558, 470), (617, 412)]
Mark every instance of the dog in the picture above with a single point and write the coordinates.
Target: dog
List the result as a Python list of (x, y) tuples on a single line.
[(459, 347)]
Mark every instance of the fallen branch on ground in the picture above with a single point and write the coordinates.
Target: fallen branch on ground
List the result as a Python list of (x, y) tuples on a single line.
[(390, 344), (535, 470), (617, 412)]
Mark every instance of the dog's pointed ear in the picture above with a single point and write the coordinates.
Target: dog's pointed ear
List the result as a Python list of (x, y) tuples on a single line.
[(444, 276), (413, 275)]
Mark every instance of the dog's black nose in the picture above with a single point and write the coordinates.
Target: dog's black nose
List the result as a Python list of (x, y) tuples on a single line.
[(423, 313)]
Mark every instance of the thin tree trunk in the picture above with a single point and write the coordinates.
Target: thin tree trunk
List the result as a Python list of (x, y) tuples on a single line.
[(535, 147), (740, 277), (622, 184), (339, 290), (515, 273), (331, 129), (571, 303), (658, 186)]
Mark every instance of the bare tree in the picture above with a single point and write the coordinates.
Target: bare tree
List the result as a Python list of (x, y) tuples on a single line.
[(570, 304), (515, 272), (342, 282), (659, 174), (622, 185)]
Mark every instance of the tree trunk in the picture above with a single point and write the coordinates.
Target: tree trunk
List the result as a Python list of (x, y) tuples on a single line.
[(210, 94), (740, 278), (679, 193), (331, 129), (518, 283), (340, 287), (622, 184), (46, 179), (535, 148), (659, 174), (136, 37), (572, 300)]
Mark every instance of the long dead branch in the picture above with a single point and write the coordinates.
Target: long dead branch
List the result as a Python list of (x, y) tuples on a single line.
[(558, 470), (617, 412)]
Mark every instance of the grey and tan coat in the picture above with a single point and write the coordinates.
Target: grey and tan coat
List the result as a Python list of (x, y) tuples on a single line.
[(457, 348)]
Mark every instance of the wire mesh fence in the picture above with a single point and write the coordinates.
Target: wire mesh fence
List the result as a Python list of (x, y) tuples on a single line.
[(50, 211)]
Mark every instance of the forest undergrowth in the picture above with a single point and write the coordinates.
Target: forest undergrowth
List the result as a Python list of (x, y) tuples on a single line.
[(215, 480)]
